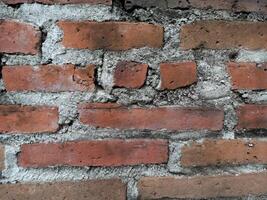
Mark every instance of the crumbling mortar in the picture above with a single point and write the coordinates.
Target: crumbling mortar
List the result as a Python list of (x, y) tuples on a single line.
[(212, 76)]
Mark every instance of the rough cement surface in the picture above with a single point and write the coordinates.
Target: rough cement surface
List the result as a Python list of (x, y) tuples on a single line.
[(212, 89)]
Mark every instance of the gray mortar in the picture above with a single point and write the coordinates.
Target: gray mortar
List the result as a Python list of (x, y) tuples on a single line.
[(213, 89), (175, 156)]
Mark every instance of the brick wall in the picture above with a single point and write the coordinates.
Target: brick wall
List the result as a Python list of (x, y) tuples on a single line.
[(157, 99)]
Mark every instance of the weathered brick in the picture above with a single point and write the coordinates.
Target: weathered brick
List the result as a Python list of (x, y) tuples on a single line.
[(224, 35), (203, 187), (93, 2), (2, 157), (252, 117), (28, 119), (130, 74), (95, 153), (112, 189), (248, 76), (110, 35), (176, 75), (16, 37), (234, 5), (224, 152), (48, 78), (99, 105), (170, 118)]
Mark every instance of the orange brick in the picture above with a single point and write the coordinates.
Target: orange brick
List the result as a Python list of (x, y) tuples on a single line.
[(95, 153), (202, 187), (112, 189), (224, 35), (17, 37), (252, 117), (170, 118), (110, 35), (176, 75), (130, 74), (248, 76), (50, 78), (28, 119), (224, 152)]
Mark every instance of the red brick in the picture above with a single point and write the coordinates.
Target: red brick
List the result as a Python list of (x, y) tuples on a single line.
[(110, 35), (94, 153), (106, 2), (112, 189), (248, 76), (28, 119), (224, 35), (2, 157), (176, 75), (170, 118), (203, 187), (48, 78), (130, 74), (16, 37), (252, 117), (224, 152)]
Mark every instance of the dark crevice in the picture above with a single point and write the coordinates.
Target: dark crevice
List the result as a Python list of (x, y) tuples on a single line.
[(2, 63), (1, 68), (96, 77), (252, 133), (70, 123), (240, 97), (117, 3), (15, 6), (43, 37), (182, 8), (242, 14), (49, 61), (233, 56)]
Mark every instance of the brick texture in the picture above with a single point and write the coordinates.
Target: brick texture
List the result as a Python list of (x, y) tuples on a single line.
[(170, 118), (2, 157), (234, 5), (202, 187), (252, 117), (130, 74), (176, 75), (16, 37), (48, 78), (94, 153), (28, 119), (224, 152), (166, 100), (248, 76), (112, 189), (106, 2), (224, 35), (110, 35)]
